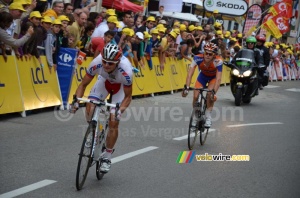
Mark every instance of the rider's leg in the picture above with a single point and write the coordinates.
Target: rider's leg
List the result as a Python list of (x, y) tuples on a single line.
[(210, 103), (98, 92)]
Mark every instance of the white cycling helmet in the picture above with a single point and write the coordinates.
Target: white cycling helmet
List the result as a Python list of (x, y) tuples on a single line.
[(112, 52)]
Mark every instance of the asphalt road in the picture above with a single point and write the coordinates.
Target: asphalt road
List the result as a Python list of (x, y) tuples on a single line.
[(45, 146)]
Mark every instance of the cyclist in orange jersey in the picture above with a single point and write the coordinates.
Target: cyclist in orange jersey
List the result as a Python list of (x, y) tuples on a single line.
[(210, 65)]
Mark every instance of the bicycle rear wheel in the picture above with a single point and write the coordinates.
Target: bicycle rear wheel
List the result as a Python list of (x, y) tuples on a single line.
[(85, 158), (192, 133)]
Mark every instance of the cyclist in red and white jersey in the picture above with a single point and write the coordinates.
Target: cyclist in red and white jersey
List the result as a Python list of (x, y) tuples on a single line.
[(114, 75), (210, 65)]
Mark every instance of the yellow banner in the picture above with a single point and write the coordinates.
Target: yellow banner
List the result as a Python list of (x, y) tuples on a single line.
[(10, 92), (39, 87), (161, 77), (176, 77), (184, 68)]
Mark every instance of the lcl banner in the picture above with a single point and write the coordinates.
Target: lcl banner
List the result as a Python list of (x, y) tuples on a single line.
[(253, 17)]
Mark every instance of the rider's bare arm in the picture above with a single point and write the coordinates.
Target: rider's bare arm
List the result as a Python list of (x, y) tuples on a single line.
[(127, 99), (218, 81), (82, 86)]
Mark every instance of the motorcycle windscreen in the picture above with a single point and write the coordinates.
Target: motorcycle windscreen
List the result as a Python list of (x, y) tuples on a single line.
[(245, 59)]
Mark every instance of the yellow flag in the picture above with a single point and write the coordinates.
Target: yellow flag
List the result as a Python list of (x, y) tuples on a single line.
[(274, 29), (252, 29)]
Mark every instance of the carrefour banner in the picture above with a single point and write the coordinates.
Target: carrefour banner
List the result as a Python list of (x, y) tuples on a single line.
[(65, 69)]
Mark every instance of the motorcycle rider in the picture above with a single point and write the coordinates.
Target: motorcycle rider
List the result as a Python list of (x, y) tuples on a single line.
[(265, 53), (250, 44)]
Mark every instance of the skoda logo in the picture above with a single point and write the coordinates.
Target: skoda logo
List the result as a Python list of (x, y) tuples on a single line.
[(209, 3)]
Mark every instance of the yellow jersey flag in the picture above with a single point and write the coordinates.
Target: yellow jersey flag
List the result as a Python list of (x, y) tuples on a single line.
[(274, 29)]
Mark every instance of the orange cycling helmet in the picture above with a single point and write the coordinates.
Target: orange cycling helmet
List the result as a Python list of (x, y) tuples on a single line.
[(211, 47)]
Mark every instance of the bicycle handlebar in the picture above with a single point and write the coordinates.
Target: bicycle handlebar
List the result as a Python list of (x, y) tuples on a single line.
[(200, 89), (98, 102)]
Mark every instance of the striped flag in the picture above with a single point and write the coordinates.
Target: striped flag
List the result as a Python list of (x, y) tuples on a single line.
[(185, 157)]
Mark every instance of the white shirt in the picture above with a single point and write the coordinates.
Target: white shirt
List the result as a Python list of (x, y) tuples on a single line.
[(100, 30)]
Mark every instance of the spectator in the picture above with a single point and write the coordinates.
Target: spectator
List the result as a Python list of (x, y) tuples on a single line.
[(86, 38), (68, 8), (211, 20), (149, 25), (5, 22), (103, 27), (98, 43), (164, 47), (94, 18), (57, 9), (139, 37), (50, 43), (31, 46), (77, 28), (161, 11), (155, 42), (125, 21)]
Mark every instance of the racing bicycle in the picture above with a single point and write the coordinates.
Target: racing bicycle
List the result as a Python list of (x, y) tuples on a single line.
[(198, 113), (94, 140)]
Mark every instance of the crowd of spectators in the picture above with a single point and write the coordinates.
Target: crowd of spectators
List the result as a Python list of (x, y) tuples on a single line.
[(29, 28)]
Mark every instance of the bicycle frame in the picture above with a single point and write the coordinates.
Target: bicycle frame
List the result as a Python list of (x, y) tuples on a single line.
[(200, 106), (99, 126)]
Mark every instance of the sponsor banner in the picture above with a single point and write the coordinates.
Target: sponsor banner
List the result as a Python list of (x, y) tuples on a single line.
[(235, 8), (77, 78), (161, 77), (253, 17), (176, 77), (39, 87), (65, 69), (184, 68), (143, 81), (225, 75), (10, 92)]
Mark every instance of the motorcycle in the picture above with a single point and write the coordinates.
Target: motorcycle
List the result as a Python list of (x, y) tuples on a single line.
[(243, 76)]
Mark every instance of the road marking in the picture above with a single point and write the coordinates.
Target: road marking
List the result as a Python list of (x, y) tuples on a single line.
[(253, 124), (27, 189), (132, 154), (293, 89), (271, 86), (192, 135)]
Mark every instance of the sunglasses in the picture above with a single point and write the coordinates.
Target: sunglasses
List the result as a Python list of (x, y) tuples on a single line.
[(251, 43), (209, 54), (108, 62)]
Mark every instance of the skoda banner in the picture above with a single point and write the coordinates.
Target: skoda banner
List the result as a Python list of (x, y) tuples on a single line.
[(65, 68), (229, 7)]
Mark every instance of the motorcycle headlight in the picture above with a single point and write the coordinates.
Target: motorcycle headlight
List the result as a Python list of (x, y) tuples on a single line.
[(247, 73), (235, 72)]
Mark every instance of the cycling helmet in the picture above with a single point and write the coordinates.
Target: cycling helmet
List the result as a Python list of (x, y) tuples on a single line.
[(112, 52), (211, 47), (251, 39), (261, 38)]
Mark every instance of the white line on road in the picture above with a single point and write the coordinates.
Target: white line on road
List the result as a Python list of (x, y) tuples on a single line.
[(192, 135), (271, 86), (27, 189), (293, 89), (132, 154), (254, 124)]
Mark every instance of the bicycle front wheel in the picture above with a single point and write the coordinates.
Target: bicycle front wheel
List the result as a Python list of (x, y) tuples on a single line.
[(101, 144), (192, 133), (85, 158)]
